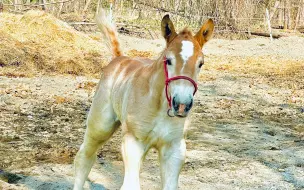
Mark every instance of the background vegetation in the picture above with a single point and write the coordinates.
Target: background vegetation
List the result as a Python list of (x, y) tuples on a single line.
[(231, 16)]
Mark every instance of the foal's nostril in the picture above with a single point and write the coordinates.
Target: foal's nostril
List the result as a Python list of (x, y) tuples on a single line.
[(181, 106), (175, 104), (189, 106)]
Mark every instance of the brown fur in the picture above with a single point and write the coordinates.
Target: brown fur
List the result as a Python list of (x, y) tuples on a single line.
[(109, 32), (114, 43)]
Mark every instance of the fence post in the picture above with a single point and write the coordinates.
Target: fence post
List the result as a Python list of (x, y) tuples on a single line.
[(268, 23)]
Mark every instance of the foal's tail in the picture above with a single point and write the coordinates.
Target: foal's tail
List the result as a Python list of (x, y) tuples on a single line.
[(107, 27)]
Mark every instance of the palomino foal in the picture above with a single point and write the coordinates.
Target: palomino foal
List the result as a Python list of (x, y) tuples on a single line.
[(150, 100)]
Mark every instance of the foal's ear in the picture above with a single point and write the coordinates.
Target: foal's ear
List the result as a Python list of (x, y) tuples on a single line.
[(167, 29), (205, 33)]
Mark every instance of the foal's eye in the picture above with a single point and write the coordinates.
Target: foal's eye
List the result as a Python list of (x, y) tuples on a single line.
[(201, 64), (168, 62)]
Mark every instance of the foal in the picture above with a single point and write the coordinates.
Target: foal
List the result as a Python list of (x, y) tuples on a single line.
[(150, 100)]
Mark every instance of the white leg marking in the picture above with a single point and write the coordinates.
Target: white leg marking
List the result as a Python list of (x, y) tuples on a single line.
[(132, 152), (172, 158)]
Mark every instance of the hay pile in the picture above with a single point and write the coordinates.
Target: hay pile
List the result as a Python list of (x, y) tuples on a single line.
[(37, 41)]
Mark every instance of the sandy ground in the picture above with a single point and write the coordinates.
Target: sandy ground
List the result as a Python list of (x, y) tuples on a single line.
[(247, 127)]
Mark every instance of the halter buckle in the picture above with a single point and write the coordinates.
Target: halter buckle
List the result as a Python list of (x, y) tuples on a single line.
[(168, 112)]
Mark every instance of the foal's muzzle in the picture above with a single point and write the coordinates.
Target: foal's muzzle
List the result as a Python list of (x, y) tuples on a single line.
[(181, 109)]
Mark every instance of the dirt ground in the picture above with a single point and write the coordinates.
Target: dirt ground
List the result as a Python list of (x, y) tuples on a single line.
[(247, 127)]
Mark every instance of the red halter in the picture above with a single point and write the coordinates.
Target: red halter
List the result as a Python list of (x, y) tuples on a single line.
[(168, 80)]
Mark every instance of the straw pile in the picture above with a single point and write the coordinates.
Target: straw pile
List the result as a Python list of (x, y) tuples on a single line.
[(37, 41)]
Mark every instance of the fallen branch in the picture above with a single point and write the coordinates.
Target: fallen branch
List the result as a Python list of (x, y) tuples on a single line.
[(264, 34), (37, 5), (82, 23), (301, 29), (118, 24), (136, 26), (18, 12)]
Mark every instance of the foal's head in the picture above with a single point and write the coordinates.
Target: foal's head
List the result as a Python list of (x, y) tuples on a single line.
[(184, 58)]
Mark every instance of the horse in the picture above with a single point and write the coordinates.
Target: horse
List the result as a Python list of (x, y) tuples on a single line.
[(149, 99)]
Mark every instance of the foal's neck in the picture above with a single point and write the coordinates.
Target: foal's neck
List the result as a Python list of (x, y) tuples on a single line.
[(158, 70), (158, 80)]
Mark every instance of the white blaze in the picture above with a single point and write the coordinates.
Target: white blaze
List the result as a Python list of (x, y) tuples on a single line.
[(187, 50)]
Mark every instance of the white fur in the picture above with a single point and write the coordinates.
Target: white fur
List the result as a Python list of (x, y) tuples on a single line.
[(132, 152), (184, 92), (187, 50), (111, 80), (166, 130)]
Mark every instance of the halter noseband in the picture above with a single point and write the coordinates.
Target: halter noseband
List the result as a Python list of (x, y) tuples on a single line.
[(168, 80)]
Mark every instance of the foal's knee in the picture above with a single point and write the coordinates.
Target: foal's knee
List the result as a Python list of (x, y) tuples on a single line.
[(88, 148)]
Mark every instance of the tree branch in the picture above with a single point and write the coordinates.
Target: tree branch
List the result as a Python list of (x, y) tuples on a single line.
[(37, 5)]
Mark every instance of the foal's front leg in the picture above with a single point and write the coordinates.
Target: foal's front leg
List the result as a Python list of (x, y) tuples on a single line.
[(172, 158), (132, 152)]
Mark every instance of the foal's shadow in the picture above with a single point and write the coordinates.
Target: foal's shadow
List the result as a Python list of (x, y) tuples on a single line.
[(36, 183), (95, 186)]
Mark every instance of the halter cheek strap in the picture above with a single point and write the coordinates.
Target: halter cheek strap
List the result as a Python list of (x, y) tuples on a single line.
[(168, 80)]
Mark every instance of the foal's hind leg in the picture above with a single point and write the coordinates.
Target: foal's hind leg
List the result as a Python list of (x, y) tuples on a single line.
[(101, 124)]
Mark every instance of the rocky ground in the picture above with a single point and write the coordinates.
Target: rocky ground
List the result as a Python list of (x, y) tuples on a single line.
[(247, 127)]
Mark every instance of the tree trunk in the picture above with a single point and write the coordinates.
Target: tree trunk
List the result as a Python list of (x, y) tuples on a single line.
[(121, 6), (60, 9), (289, 15), (297, 17), (18, 5), (76, 6), (269, 24), (1, 6), (97, 7), (281, 18), (301, 19), (285, 15), (43, 6), (140, 14), (276, 5), (86, 7), (52, 7)]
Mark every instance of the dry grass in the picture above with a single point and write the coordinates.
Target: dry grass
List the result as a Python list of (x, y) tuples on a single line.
[(268, 66), (37, 41), (136, 53), (87, 85), (279, 72)]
